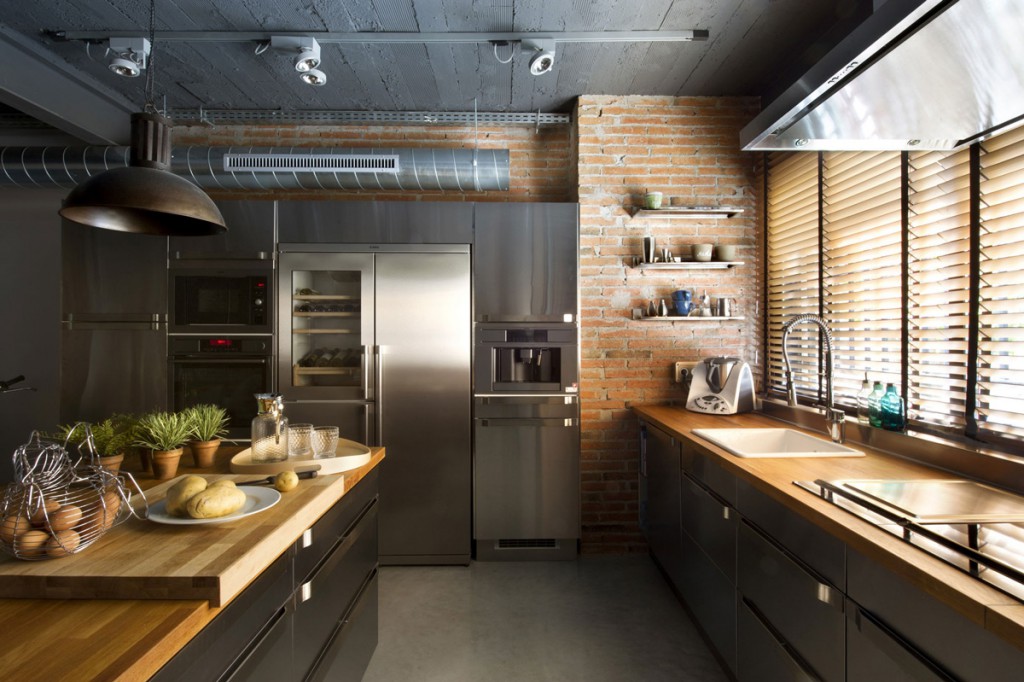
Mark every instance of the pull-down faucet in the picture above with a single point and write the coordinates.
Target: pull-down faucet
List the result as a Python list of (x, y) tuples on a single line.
[(835, 420)]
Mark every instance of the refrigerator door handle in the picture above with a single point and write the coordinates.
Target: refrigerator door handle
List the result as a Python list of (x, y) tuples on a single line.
[(365, 369), (378, 352)]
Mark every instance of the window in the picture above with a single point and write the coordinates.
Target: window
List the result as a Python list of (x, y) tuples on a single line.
[(882, 246)]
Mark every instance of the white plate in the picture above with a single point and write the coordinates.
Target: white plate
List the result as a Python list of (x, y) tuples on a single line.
[(257, 499)]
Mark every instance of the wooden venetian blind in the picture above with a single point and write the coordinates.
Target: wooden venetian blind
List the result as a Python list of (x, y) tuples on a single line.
[(792, 267), (1000, 389), (862, 283), (938, 293)]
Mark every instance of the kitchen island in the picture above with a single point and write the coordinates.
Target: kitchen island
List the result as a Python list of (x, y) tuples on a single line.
[(319, 535), (788, 584)]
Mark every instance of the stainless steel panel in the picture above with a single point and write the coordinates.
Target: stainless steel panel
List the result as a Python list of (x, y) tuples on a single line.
[(251, 234), (762, 657), (354, 419), (821, 551), (960, 646), (875, 652), (526, 262), (423, 338), (526, 406), (711, 597), (112, 368), (375, 222), (803, 608), (711, 523), (355, 332), (112, 272), (943, 501), (662, 527), (526, 479)]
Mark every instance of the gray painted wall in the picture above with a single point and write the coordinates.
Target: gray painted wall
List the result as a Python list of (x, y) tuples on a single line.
[(29, 313)]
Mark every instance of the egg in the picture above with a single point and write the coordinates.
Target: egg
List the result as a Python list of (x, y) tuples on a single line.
[(45, 510), (13, 525), (63, 543), (31, 543), (100, 516), (65, 518)]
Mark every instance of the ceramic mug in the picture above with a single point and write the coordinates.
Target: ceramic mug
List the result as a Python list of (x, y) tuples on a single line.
[(702, 252), (725, 252), (682, 295), (653, 200)]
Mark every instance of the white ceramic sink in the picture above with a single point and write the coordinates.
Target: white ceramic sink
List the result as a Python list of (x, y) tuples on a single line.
[(774, 443)]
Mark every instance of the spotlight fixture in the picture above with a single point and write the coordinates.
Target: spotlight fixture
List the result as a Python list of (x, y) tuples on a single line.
[(128, 56), (314, 77), (544, 57), (307, 56)]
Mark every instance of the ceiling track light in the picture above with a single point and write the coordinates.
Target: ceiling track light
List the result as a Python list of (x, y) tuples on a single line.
[(543, 58), (307, 56), (128, 56)]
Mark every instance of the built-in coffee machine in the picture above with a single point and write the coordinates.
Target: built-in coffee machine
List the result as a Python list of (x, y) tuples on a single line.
[(526, 359)]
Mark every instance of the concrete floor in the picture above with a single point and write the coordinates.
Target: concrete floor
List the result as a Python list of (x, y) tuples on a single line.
[(595, 619)]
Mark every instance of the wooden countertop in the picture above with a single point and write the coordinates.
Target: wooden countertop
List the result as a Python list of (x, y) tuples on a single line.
[(130, 639), (986, 606)]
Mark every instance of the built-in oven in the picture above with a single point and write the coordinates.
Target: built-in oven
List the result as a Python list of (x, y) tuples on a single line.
[(224, 370), (524, 358), (221, 297)]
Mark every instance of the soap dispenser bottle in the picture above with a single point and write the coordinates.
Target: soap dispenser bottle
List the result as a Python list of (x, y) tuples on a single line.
[(892, 410), (875, 405), (863, 404)]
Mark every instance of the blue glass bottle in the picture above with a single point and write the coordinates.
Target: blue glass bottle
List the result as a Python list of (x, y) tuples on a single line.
[(875, 406), (892, 410)]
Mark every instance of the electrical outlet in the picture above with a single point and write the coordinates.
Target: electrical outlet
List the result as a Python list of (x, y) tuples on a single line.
[(683, 370)]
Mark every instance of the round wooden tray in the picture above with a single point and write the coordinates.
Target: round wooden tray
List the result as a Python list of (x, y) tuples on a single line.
[(350, 455)]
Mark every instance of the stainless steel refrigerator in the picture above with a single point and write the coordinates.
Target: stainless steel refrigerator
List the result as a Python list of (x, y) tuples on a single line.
[(114, 323), (376, 339)]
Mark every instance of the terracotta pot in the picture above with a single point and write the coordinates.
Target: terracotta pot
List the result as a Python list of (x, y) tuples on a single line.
[(113, 462), (203, 452), (145, 455), (165, 463)]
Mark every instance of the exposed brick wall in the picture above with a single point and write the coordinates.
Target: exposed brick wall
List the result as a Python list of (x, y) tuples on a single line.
[(683, 147), (541, 168)]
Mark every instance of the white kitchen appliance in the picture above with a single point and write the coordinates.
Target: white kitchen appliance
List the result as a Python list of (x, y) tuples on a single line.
[(721, 386)]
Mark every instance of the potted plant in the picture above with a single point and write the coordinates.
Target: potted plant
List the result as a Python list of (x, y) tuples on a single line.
[(208, 424), (165, 433), (111, 438)]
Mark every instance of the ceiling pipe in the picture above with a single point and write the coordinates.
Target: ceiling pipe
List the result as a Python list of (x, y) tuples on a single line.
[(463, 170)]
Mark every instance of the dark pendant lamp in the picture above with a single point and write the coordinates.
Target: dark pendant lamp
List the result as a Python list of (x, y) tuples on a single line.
[(146, 197)]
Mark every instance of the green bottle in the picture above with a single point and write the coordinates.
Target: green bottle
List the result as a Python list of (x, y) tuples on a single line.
[(875, 405), (891, 406)]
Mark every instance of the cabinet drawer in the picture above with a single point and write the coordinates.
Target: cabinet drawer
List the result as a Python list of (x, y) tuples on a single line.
[(823, 553), (242, 628), (314, 544), (875, 652), (351, 645), (956, 644), (712, 475), (711, 597), (711, 523), (803, 608), (762, 656), (322, 600)]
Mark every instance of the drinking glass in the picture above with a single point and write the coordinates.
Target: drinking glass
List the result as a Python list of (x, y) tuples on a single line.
[(300, 440), (325, 441)]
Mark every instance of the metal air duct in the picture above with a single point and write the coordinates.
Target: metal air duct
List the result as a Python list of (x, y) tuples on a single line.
[(464, 170)]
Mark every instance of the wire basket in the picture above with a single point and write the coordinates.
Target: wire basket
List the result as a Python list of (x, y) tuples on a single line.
[(60, 504)]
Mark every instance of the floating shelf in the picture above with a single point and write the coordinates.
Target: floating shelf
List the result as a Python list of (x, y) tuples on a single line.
[(304, 314), (688, 212), (323, 297), (689, 318), (690, 265)]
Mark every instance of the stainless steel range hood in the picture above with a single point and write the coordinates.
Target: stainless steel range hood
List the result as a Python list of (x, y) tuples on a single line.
[(916, 74)]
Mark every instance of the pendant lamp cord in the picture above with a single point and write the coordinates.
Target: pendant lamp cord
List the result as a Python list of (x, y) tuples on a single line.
[(149, 107)]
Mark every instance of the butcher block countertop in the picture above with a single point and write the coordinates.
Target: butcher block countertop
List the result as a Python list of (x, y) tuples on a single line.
[(90, 629), (984, 605)]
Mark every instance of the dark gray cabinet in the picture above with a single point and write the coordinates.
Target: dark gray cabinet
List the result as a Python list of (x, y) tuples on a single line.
[(374, 222), (660, 491), (311, 615), (525, 262)]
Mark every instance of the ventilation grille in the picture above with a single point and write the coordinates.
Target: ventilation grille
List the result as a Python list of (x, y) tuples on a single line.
[(535, 543), (312, 163), (212, 117)]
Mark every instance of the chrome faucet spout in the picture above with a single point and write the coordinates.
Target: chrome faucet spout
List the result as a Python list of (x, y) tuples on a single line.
[(835, 419)]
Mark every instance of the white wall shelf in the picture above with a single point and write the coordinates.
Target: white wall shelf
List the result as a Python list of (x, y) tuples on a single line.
[(690, 318), (676, 212)]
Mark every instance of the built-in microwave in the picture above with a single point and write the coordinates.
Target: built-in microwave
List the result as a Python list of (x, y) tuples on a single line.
[(221, 298)]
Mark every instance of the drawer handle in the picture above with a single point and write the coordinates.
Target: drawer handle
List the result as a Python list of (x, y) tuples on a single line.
[(727, 513), (307, 538), (827, 594), (306, 592)]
